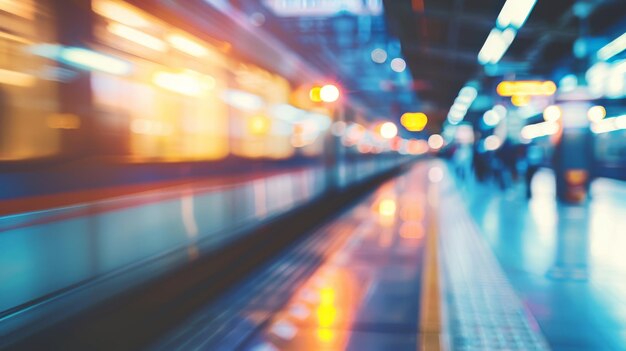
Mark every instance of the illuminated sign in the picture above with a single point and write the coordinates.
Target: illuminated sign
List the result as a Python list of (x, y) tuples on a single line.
[(414, 121), (526, 88)]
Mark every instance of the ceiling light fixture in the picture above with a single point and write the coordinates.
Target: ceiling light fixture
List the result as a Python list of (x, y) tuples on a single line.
[(514, 13)]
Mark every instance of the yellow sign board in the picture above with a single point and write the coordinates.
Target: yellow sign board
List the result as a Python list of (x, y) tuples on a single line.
[(526, 88)]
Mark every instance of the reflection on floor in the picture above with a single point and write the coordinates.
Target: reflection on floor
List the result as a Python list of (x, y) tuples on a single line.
[(516, 274), (566, 263), (354, 284)]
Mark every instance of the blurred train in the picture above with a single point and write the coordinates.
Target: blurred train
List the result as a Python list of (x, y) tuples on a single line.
[(102, 93)]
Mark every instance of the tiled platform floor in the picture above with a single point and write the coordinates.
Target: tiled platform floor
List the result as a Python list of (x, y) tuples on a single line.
[(567, 263)]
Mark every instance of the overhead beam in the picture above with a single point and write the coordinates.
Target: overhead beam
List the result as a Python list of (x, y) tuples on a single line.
[(487, 22), (442, 52), (537, 48), (453, 33)]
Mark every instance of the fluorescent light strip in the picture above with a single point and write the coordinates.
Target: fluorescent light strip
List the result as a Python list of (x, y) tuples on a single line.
[(17, 79), (461, 104), (514, 13), (120, 13), (456, 114), (83, 58), (242, 100), (92, 60), (189, 82), (512, 17), (187, 45), (21, 8), (468, 92), (496, 45), (506, 38), (137, 37), (613, 48), (537, 130), (609, 125)]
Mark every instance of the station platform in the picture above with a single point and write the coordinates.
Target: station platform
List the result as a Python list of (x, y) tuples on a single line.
[(565, 262), (374, 279), (354, 283), (428, 262)]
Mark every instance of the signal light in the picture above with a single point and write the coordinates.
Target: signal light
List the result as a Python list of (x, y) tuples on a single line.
[(414, 121), (325, 93), (388, 130), (329, 93), (314, 94)]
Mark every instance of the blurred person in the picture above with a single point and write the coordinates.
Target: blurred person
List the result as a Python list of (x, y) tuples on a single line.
[(534, 158), (519, 161), (463, 161), (504, 164), (498, 170), (480, 161), (509, 157)]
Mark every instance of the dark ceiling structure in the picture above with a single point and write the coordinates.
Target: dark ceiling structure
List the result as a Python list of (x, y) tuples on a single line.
[(438, 39)]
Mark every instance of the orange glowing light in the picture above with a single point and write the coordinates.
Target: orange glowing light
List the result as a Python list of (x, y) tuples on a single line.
[(314, 94), (120, 13), (150, 127), (411, 211), (25, 9), (576, 176), (326, 315), (364, 148), (412, 230), (188, 82), (63, 121), (527, 87), (259, 125), (520, 100), (327, 295), (387, 207), (326, 335), (225, 47), (326, 311), (417, 147), (17, 79), (414, 121)]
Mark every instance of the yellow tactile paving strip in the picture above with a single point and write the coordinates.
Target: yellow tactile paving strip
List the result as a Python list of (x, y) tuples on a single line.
[(430, 328)]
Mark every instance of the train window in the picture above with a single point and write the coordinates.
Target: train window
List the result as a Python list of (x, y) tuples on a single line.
[(30, 126), (167, 108), (256, 131)]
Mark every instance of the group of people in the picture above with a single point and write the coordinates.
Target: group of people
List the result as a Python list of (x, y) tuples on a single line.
[(505, 165)]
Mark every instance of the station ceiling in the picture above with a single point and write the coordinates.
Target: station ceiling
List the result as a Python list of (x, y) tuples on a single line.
[(438, 39)]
